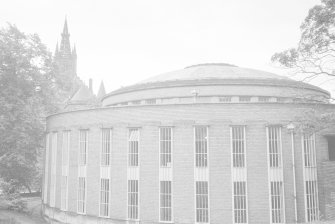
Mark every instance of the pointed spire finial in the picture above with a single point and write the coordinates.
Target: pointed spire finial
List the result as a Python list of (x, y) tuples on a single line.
[(74, 50), (56, 50), (65, 46), (102, 91), (65, 29)]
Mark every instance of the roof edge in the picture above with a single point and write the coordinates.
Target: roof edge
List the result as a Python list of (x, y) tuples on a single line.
[(181, 83)]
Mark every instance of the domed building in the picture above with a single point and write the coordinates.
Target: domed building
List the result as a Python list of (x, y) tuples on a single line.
[(211, 143)]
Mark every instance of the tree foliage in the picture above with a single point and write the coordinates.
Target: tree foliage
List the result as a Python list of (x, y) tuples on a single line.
[(315, 54), (313, 57), (27, 94)]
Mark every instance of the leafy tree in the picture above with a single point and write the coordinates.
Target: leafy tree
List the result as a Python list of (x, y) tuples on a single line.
[(27, 94), (313, 57), (315, 54)]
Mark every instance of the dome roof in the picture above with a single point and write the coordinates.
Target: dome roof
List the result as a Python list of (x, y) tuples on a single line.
[(211, 75), (213, 71)]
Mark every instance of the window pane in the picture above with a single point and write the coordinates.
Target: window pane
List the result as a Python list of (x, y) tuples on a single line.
[(104, 197), (240, 202), (133, 199), (277, 210), (202, 201), (165, 146), (165, 201), (81, 206), (201, 146), (106, 147), (83, 147), (133, 143), (238, 146), (274, 142)]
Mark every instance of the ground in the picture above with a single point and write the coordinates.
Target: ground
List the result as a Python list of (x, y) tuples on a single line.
[(31, 216)]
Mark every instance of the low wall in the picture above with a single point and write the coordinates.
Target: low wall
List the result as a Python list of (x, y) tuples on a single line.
[(56, 216)]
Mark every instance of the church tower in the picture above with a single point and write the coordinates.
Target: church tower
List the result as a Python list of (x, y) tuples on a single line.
[(65, 58), (76, 93)]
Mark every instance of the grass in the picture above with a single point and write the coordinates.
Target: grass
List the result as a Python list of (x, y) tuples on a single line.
[(9, 221)]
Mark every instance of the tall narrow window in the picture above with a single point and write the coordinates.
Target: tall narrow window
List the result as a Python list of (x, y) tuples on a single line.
[(239, 174), (311, 201), (46, 166), (81, 203), (83, 147), (65, 168), (275, 172), (165, 201), (133, 147), (277, 214), (54, 140), (63, 193), (240, 202), (165, 138), (104, 197), (309, 151), (274, 142), (106, 146), (310, 178), (238, 146), (202, 202), (201, 146), (133, 199), (65, 148)]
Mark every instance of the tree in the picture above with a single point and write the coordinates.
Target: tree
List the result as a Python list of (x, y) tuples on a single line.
[(315, 54), (27, 94), (314, 57)]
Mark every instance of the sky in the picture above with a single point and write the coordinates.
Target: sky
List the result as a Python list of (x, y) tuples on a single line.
[(124, 42)]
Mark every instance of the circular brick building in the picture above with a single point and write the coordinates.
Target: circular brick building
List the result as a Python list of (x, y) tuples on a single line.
[(211, 143)]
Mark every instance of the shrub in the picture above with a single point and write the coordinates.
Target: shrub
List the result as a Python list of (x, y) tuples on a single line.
[(10, 197)]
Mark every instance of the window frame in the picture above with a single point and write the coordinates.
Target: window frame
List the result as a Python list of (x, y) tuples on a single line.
[(133, 148), (53, 180), (277, 198), (238, 145), (168, 193), (202, 202), (66, 145), (165, 158), (133, 191), (201, 147), (106, 192), (83, 151), (310, 167), (274, 142), (106, 147), (81, 195), (240, 210), (46, 168)]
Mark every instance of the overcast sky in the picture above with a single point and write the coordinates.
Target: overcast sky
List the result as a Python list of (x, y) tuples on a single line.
[(123, 42)]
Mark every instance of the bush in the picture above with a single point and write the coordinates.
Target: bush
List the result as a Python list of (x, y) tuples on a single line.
[(10, 197)]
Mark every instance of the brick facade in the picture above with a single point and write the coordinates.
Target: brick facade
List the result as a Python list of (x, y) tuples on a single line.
[(208, 95), (182, 118)]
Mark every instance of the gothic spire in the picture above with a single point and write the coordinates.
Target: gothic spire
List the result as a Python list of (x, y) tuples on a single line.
[(65, 47), (65, 29), (102, 91), (74, 52), (56, 50)]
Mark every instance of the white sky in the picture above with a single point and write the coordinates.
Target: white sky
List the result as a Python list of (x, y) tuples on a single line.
[(123, 42)]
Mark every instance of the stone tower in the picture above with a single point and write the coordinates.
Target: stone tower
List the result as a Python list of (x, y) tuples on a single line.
[(65, 60)]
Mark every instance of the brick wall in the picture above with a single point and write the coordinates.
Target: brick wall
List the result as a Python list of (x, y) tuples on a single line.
[(327, 189), (183, 118)]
